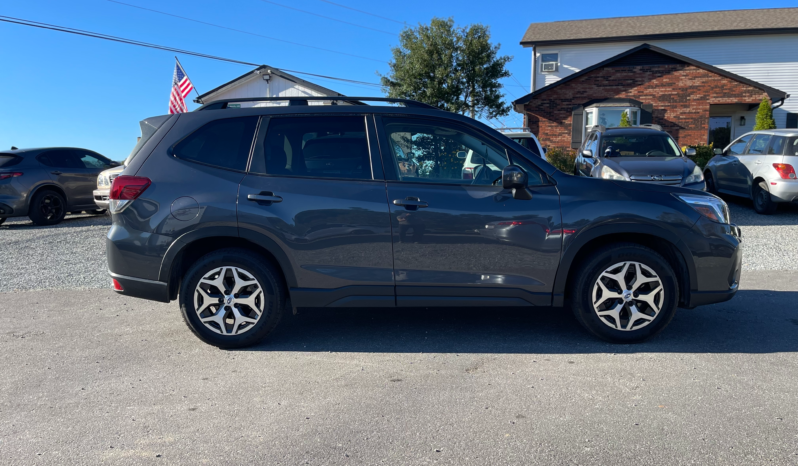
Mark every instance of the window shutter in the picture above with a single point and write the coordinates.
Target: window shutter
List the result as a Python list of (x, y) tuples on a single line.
[(792, 120), (577, 122), (646, 114)]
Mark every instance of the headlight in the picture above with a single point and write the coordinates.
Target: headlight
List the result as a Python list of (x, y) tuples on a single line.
[(609, 174), (710, 207), (696, 177)]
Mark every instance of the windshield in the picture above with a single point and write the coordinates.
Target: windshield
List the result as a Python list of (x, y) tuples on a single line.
[(148, 128), (639, 145)]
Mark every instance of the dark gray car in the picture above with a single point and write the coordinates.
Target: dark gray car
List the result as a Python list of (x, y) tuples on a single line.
[(45, 184), (242, 213), (640, 154)]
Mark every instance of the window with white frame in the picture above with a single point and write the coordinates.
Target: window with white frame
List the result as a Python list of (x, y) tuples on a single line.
[(610, 117), (549, 62)]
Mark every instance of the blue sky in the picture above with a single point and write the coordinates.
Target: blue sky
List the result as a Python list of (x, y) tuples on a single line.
[(66, 90)]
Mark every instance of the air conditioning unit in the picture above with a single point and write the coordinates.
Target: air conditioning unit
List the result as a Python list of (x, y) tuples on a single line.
[(549, 67)]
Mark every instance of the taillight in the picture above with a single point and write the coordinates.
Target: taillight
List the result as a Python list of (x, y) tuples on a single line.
[(786, 171), (468, 173), (7, 175), (126, 189)]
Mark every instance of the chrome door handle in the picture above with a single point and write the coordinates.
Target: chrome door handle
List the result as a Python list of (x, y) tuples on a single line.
[(410, 202), (264, 198)]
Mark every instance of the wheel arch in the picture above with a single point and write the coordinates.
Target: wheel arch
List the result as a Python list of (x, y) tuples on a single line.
[(662, 241), (42, 187)]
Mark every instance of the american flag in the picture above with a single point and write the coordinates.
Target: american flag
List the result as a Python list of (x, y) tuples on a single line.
[(181, 87)]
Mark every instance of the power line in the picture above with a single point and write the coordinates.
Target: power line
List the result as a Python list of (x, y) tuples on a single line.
[(96, 35), (328, 17), (361, 11), (244, 32), (516, 80)]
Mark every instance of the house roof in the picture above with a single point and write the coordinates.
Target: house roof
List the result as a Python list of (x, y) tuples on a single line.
[(627, 58), (276, 72), (673, 26)]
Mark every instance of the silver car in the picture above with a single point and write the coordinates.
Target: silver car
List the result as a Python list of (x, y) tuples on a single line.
[(104, 186), (759, 165)]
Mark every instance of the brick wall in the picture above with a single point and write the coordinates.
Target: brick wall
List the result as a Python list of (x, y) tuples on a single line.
[(680, 93)]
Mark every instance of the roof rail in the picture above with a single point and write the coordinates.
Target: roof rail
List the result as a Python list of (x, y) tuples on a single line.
[(522, 128), (294, 101)]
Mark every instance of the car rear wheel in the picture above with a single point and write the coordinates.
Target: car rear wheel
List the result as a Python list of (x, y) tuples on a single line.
[(763, 203), (625, 293), (232, 298), (2, 220), (48, 207)]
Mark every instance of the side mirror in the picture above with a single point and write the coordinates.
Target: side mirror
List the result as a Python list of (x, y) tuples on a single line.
[(588, 153), (516, 179), (461, 154), (545, 149), (690, 152), (717, 151)]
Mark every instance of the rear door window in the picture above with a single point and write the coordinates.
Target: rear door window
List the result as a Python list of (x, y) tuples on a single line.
[(61, 158), (738, 146), (315, 146), (221, 143), (776, 146), (759, 144)]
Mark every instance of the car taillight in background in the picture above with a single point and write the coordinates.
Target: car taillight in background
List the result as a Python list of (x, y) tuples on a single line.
[(7, 175), (786, 171), (126, 189)]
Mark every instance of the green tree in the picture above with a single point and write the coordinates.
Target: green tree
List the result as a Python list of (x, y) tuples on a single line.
[(452, 68), (764, 116), (625, 123)]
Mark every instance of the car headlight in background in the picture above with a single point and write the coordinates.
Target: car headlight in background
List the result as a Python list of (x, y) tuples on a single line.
[(608, 173), (711, 207), (696, 177)]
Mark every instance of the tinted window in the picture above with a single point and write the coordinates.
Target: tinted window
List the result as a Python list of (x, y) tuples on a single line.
[(638, 145), (792, 146), (93, 160), (221, 143), (321, 147), (62, 158), (776, 146), (9, 160), (739, 145), (529, 144), (759, 144), (433, 152)]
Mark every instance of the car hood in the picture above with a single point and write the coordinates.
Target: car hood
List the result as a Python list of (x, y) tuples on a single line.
[(641, 166), (113, 171)]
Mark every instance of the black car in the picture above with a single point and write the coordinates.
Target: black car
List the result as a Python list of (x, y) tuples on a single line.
[(242, 213), (643, 154), (46, 184)]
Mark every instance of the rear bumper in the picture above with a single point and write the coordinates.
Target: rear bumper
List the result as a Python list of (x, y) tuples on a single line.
[(6, 210), (141, 288), (784, 190)]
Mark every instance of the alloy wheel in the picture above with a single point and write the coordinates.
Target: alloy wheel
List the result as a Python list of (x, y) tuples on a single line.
[(628, 296), (229, 300), (51, 206)]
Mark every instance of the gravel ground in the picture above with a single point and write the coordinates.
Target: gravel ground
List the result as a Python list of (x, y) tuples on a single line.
[(71, 255)]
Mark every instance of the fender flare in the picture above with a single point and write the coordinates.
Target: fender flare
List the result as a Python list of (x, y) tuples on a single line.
[(584, 237)]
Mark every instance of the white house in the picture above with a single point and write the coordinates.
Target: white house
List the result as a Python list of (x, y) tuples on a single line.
[(739, 55)]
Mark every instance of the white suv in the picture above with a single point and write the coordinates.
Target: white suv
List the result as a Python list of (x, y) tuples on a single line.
[(524, 137)]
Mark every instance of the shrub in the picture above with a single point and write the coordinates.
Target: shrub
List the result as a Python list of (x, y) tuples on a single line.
[(764, 116), (563, 160)]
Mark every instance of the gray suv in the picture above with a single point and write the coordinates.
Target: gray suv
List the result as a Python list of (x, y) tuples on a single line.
[(243, 213), (759, 165)]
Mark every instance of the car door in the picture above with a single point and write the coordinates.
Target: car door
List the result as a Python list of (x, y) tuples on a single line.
[(754, 155), (313, 189), (93, 164), (461, 242), (66, 169), (726, 167)]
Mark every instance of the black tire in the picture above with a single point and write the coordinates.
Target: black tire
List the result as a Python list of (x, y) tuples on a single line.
[(2, 220), (48, 207), (710, 182), (592, 268), (763, 204), (257, 267)]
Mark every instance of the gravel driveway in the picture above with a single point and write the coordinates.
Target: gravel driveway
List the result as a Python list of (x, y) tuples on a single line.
[(71, 255)]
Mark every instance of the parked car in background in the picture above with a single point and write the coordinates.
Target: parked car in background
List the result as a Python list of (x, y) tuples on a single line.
[(46, 184), (643, 154), (104, 181), (528, 140), (243, 213), (759, 165)]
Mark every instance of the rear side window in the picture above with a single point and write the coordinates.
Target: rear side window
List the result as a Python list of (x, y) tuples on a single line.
[(221, 143), (61, 158), (9, 160), (759, 144), (320, 147), (776, 146)]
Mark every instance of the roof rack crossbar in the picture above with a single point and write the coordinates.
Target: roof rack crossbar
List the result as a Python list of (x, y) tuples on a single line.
[(223, 103)]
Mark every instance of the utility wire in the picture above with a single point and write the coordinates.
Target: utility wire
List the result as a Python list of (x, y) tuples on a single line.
[(95, 35), (244, 32), (327, 17), (361, 11), (516, 80)]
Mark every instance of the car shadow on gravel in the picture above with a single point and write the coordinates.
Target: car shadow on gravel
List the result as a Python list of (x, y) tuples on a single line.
[(755, 321), (80, 220)]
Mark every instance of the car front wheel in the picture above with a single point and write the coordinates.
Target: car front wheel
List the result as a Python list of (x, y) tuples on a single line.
[(710, 181), (625, 293), (232, 298)]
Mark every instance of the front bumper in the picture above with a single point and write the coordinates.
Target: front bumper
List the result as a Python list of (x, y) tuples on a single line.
[(101, 198), (718, 257), (783, 190)]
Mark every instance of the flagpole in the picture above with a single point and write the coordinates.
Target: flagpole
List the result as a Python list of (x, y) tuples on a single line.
[(189, 78)]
